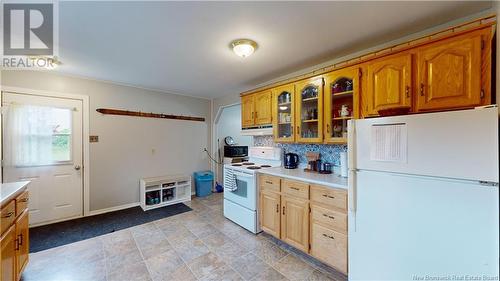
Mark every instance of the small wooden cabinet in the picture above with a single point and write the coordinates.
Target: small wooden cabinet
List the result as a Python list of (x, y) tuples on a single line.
[(247, 111), (23, 241), (449, 74), (14, 238), (295, 222), (388, 83), (256, 109), (341, 103), (284, 113), (270, 217), (309, 110), (309, 217), (8, 255)]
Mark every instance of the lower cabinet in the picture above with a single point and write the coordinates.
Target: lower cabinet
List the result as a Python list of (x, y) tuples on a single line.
[(15, 239), (23, 242), (295, 222), (270, 213), (311, 218), (8, 255), (329, 246)]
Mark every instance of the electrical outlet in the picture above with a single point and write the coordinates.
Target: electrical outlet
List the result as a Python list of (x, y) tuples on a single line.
[(94, 138)]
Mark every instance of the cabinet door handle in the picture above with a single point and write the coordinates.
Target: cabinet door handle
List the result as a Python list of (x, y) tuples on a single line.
[(20, 239), (292, 130), (328, 236), (330, 217), (328, 196), (283, 210), (17, 245), (407, 91), (422, 89), (8, 215), (277, 208), (256, 114), (23, 200), (328, 128), (298, 130)]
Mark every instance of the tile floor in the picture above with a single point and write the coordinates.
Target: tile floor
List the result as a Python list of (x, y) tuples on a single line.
[(197, 245)]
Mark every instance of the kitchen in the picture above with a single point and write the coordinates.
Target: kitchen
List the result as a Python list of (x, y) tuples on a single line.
[(378, 161)]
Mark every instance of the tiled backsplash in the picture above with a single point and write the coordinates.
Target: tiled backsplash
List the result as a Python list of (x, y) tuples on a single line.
[(329, 152)]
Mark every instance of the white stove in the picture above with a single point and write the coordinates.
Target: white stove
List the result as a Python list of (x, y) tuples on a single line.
[(240, 186)]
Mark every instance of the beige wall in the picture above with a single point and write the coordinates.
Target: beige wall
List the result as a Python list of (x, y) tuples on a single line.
[(129, 147)]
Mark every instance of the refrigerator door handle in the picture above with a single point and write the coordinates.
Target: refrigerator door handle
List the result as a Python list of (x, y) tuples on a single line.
[(351, 145)]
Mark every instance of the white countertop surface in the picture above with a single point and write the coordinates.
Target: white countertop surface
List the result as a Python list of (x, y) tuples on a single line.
[(331, 180), (10, 190)]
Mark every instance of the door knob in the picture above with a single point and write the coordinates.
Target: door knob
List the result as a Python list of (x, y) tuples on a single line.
[(77, 167)]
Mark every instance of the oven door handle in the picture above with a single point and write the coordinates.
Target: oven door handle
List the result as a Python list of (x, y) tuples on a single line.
[(242, 175)]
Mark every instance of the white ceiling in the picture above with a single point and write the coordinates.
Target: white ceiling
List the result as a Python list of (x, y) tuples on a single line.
[(183, 47)]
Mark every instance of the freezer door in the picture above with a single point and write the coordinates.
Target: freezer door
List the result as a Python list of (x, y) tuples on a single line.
[(457, 144), (408, 227)]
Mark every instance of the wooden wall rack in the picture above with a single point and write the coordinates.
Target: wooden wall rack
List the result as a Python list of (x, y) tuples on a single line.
[(148, 115)]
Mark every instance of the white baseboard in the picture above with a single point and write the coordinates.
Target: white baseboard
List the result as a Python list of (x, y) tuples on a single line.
[(112, 209)]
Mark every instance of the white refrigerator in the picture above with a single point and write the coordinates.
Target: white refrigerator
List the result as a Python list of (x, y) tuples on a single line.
[(423, 196)]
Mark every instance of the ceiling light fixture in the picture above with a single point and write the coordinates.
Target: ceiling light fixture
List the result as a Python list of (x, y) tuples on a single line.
[(243, 47)]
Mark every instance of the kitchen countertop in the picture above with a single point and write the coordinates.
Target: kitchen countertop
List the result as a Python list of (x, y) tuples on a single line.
[(330, 180), (10, 190)]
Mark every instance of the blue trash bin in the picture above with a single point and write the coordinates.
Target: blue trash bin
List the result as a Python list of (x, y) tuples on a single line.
[(203, 182)]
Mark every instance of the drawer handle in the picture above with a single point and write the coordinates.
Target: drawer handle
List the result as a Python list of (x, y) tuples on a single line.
[(328, 196), (23, 200), (8, 215), (269, 182), (295, 188), (330, 217), (328, 236)]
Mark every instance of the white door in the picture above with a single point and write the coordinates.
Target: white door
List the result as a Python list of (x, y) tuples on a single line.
[(42, 142)]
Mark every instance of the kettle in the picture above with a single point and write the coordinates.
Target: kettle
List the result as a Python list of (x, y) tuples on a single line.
[(291, 161)]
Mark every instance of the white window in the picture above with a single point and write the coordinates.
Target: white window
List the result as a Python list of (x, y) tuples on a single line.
[(38, 135)]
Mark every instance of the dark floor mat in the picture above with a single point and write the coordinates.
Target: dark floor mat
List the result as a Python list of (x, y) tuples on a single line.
[(62, 233)]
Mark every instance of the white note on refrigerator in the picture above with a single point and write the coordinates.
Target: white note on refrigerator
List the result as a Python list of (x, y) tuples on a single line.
[(389, 142)]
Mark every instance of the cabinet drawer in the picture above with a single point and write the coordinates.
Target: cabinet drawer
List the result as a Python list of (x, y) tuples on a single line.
[(332, 219), (22, 202), (269, 183), (296, 189), (7, 215), (330, 197), (329, 246)]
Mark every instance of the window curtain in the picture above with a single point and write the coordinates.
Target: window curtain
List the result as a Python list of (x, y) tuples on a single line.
[(28, 135)]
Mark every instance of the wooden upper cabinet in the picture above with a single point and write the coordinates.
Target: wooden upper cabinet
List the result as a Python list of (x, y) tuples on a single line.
[(256, 109), (247, 111), (284, 113), (263, 113), (449, 74), (388, 83), (309, 110), (295, 222), (270, 213), (340, 103)]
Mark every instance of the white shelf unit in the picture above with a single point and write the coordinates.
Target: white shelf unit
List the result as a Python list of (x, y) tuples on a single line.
[(162, 191)]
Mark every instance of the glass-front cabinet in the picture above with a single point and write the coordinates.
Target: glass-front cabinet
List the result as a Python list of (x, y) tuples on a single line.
[(341, 103), (309, 110), (284, 112)]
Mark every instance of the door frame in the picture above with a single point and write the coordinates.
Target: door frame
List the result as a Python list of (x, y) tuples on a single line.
[(85, 133)]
